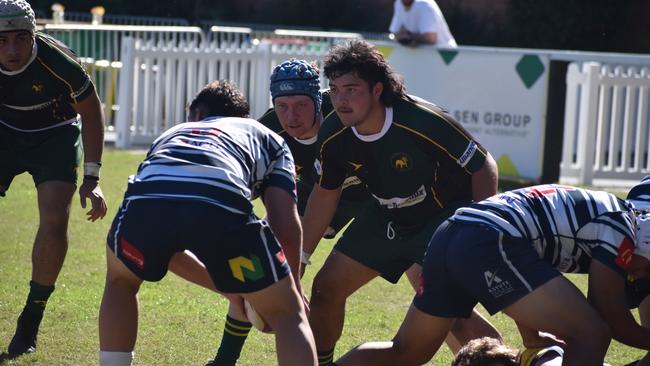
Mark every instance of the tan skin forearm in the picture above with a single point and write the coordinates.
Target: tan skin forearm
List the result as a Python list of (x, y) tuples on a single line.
[(485, 180), (607, 294), (92, 127), (318, 215)]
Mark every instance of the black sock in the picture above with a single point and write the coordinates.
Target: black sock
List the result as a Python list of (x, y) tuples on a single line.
[(234, 335), (37, 299), (326, 358)]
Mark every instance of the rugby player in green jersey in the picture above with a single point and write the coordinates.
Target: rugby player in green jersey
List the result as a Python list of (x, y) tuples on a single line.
[(43, 92), (419, 165)]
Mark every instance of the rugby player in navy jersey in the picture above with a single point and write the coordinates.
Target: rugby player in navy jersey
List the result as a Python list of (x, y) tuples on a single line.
[(415, 160), (193, 192), (299, 107), (50, 116), (508, 252)]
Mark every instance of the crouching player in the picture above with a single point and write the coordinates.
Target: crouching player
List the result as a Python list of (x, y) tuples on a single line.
[(193, 192), (508, 252)]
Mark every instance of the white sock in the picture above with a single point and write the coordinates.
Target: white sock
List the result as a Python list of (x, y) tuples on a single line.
[(115, 358)]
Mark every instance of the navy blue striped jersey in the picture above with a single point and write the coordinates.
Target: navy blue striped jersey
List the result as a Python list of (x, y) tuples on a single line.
[(225, 161), (567, 226)]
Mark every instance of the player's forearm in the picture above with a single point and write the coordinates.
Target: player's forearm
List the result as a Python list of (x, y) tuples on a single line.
[(425, 38), (627, 331), (92, 128), (485, 180), (319, 212)]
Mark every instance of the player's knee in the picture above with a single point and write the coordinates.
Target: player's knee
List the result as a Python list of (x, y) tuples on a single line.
[(327, 287), (595, 336), (410, 354)]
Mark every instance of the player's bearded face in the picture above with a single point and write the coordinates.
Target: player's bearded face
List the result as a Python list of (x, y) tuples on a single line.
[(352, 99), (297, 115), (15, 49)]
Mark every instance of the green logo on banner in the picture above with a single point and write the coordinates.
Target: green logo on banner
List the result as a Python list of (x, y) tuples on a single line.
[(530, 68), (243, 268), (507, 167), (447, 56)]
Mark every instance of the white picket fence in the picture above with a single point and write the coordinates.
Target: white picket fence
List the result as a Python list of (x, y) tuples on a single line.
[(606, 130), (156, 83)]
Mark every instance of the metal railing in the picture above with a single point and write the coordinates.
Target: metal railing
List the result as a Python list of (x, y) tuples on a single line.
[(103, 42)]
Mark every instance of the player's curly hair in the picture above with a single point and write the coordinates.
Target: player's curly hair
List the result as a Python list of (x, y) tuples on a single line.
[(486, 351), (221, 98), (369, 64)]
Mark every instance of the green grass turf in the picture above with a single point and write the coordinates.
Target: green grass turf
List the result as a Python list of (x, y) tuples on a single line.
[(180, 324)]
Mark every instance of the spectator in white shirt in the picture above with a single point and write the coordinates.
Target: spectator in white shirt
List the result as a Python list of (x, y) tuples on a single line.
[(418, 22)]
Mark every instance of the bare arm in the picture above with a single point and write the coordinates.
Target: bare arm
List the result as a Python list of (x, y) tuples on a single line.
[(92, 134), (607, 294), (485, 180), (318, 215), (282, 216)]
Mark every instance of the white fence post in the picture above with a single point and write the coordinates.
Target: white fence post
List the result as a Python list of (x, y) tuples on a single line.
[(586, 124), (261, 80), (125, 95)]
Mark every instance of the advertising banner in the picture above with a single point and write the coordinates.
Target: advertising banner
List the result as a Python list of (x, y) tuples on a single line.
[(500, 97)]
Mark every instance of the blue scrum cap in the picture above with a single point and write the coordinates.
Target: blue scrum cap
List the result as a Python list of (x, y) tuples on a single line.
[(296, 77)]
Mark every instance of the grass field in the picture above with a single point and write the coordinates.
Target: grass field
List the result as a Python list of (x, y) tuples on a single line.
[(180, 324)]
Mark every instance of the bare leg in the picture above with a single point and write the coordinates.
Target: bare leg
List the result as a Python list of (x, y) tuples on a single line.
[(462, 330), (339, 277), (51, 243), (559, 308), (281, 306), (118, 313), (188, 267), (417, 340)]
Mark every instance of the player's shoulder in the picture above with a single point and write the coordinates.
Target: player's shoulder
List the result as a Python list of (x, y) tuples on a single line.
[(331, 129), (418, 113), (53, 51)]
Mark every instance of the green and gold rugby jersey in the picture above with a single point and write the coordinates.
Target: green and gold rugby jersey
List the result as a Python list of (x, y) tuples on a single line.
[(304, 154), (40, 96), (420, 162)]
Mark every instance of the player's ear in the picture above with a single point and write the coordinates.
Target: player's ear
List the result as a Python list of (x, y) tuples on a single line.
[(377, 89)]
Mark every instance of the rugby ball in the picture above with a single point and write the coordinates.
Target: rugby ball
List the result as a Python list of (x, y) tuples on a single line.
[(256, 319)]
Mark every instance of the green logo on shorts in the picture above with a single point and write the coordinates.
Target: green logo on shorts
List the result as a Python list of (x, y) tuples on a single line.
[(243, 268)]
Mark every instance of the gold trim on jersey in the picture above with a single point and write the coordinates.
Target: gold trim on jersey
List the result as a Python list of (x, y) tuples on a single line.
[(58, 77), (322, 146), (431, 141)]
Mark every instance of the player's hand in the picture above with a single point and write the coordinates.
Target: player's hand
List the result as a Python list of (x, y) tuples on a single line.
[(90, 190)]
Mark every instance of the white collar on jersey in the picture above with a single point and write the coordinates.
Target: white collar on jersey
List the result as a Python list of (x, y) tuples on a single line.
[(31, 59), (387, 123), (307, 141)]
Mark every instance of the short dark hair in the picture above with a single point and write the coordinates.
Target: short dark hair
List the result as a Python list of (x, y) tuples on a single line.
[(367, 63), (221, 98), (484, 352)]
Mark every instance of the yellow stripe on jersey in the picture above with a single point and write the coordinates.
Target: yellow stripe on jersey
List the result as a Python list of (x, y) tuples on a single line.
[(435, 197), (423, 107), (58, 77), (322, 146), (431, 141)]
